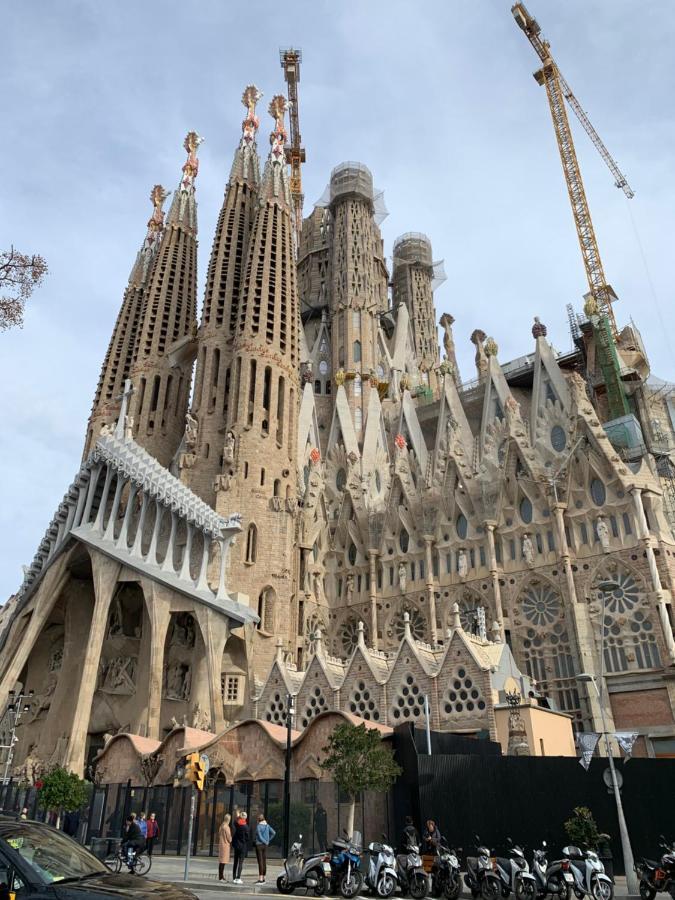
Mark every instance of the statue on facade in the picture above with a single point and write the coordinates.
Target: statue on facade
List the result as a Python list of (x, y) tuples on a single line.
[(201, 719), (191, 431), (128, 428), (477, 338), (228, 448), (178, 681), (402, 576), (350, 588), (462, 564), (120, 676), (603, 533), (528, 550)]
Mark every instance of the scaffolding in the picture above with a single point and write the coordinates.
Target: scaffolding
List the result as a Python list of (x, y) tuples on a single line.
[(354, 178)]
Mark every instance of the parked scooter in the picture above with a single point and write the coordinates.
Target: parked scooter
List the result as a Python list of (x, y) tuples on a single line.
[(549, 879), (657, 876), (481, 880), (312, 873), (345, 859), (445, 878), (381, 878), (514, 874), (411, 875), (588, 874)]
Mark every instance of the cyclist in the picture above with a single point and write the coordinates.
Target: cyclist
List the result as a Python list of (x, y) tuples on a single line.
[(132, 841)]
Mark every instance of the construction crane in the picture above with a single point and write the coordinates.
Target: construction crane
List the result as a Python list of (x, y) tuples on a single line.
[(295, 154), (599, 304)]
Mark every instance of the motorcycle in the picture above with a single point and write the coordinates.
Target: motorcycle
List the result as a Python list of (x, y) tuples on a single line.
[(549, 879), (445, 880), (314, 872), (481, 880), (411, 875), (587, 873), (345, 859), (381, 877), (657, 876), (514, 874)]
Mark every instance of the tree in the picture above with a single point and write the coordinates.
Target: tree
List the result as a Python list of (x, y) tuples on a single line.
[(20, 274), (581, 828), (359, 761), (62, 790)]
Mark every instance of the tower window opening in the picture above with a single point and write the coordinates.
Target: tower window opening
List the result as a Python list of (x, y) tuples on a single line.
[(251, 392), (251, 543), (262, 477)]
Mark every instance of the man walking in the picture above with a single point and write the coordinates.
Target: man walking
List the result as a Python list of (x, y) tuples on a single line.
[(321, 825)]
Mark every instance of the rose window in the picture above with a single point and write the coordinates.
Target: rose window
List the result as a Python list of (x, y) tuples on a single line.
[(276, 710), (629, 633), (408, 702), (418, 625), (362, 703), (463, 696), (349, 635), (315, 704), (620, 590), (541, 605), (313, 625)]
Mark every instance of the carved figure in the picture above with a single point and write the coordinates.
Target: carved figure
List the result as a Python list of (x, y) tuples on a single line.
[(603, 533), (462, 564), (228, 449), (222, 482), (191, 431), (528, 550), (128, 428), (178, 682), (402, 576), (201, 719), (120, 675), (183, 632), (56, 658), (191, 167), (115, 622), (477, 338), (350, 588)]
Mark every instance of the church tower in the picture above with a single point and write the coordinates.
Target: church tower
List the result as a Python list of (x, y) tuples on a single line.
[(212, 404), (124, 341), (258, 470), (162, 369), (414, 281), (359, 282)]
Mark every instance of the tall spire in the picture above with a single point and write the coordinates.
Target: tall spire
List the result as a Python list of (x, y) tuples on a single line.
[(212, 399), (124, 340), (275, 177), (161, 372)]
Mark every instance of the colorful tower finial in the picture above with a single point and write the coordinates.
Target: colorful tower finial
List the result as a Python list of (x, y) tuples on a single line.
[(277, 109), (191, 167), (156, 221), (251, 123)]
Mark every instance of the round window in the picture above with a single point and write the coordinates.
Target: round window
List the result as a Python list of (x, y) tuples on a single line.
[(323, 367), (462, 526), (526, 510), (340, 479), (598, 492), (404, 540), (351, 554), (558, 438)]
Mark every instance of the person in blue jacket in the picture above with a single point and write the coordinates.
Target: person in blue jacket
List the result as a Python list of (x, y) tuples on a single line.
[(264, 835)]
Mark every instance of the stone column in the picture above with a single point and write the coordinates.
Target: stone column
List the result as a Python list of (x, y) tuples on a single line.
[(91, 490), (494, 575), (372, 558), (105, 573), (431, 598), (215, 631), (100, 515), (159, 614)]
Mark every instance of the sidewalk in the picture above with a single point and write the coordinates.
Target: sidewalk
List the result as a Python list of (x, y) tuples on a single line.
[(204, 874)]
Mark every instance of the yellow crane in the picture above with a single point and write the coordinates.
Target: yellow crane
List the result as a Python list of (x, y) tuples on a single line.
[(295, 153), (557, 91)]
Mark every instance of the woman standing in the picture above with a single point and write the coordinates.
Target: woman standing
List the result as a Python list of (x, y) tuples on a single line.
[(241, 838), (151, 833), (224, 843), (264, 834)]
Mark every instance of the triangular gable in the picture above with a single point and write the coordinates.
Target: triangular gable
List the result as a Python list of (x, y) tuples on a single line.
[(363, 656), (308, 428), (414, 430), (452, 411), (497, 392), (549, 382), (375, 435), (342, 425)]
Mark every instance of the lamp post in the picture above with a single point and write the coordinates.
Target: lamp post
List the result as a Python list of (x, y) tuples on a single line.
[(628, 861), (15, 708), (290, 712)]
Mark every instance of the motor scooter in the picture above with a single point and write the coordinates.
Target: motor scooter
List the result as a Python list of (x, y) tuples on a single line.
[(514, 874), (588, 874), (381, 877), (313, 872)]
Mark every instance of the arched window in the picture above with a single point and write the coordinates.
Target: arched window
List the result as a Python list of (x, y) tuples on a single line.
[(317, 386), (277, 487), (262, 477), (251, 543), (357, 351)]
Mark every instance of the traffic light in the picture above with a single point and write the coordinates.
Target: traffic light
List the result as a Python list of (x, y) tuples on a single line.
[(195, 770)]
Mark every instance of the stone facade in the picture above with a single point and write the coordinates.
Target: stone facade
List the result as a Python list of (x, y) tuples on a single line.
[(375, 490)]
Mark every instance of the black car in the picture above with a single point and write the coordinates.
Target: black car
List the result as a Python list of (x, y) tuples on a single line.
[(40, 863)]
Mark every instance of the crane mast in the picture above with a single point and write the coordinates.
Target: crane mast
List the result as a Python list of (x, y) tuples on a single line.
[(295, 153), (600, 305)]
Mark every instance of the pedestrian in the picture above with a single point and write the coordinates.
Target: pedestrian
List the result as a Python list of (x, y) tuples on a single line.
[(410, 835), (321, 825), (143, 825), (24, 813), (151, 833), (224, 844), (132, 840), (431, 837), (264, 835), (71, 822), (241, 838)]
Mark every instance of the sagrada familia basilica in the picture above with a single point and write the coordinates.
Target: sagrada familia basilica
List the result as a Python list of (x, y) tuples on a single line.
[(332, 511)]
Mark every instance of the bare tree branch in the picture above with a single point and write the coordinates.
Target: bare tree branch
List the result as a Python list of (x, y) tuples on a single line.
[(20, 274)]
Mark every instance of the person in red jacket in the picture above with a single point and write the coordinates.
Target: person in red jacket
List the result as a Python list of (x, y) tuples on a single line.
[(152, 833)]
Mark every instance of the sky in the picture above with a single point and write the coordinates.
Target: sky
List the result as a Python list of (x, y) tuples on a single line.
[(436, 97)]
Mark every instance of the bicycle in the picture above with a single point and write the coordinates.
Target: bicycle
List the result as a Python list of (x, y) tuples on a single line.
[(138, 864)]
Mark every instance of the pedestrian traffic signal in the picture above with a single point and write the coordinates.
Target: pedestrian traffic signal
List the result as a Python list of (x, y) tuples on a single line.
[(195, 770)]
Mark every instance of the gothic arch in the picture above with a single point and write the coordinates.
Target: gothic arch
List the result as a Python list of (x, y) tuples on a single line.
[(267, 601)]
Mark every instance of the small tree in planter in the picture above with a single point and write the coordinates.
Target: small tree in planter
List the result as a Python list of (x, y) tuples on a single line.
[(359, 761), (581, 829), (62, 791)]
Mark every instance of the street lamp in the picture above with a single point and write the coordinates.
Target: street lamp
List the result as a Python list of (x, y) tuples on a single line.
[(15, 707), (290, 712), (629, 862)]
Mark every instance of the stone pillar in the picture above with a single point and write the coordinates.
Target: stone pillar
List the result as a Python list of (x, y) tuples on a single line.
[(159, 615), (100, 515), (374, 641), (431, 598), (105, 573), (494, 575), (122, 537), (91, 490), (215, 631), (109, 534)]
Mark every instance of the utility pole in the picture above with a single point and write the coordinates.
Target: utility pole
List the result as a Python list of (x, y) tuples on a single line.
[(287, 774), (428, 727), (15, 708)]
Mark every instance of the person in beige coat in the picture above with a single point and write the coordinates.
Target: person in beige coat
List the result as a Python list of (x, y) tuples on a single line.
[(224, 844)]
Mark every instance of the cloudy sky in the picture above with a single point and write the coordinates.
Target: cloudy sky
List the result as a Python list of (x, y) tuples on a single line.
[(436, 97)]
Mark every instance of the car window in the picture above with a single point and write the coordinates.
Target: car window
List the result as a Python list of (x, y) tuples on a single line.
[(11, 882), (52, 856)]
